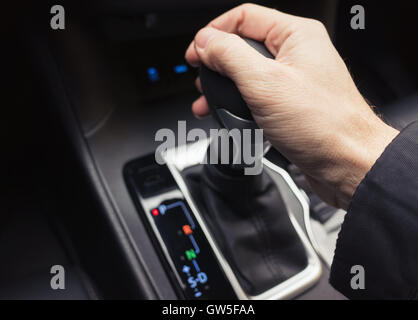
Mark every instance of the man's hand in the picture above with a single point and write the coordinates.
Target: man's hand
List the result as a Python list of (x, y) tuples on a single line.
[(305, 99)]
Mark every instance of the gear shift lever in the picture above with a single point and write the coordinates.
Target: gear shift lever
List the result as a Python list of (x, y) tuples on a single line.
[(245, 213), (229, 108)]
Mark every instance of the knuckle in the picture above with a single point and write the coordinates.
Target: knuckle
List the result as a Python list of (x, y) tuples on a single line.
[(217, 47), (247, 6), (222, 44), (316, 24)]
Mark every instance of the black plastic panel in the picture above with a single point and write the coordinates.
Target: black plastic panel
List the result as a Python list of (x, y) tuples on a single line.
[(178, 237)]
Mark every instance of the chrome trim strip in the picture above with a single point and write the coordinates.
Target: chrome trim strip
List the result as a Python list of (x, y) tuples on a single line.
[(306, 217)]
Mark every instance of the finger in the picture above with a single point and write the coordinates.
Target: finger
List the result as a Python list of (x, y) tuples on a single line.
[(252, 21), (259, 23), (200, 107), (191, 56), (228, 54)]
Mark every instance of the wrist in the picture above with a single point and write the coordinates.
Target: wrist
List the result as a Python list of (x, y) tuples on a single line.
[(360, 154)]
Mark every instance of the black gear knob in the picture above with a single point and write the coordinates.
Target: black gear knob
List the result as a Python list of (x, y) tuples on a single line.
[(224, 99), (231, 111)]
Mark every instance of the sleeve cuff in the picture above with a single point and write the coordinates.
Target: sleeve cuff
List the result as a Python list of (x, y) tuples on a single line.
[(380, 230)]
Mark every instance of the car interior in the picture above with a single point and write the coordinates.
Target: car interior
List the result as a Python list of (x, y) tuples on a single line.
[(80, 186)]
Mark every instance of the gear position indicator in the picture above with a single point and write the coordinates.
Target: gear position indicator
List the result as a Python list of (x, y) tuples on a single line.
[(179, 238), (190, 252)]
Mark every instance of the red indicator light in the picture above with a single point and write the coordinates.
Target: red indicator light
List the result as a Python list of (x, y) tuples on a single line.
[(187, 230), (155, 212)]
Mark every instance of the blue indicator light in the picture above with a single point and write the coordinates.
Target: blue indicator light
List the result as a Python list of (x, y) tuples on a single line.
[(196, 266), (198, 294), (192, 282), (196, 247), (181, 68), (153, 75), (162, 208), (202, 277), (186, 269)]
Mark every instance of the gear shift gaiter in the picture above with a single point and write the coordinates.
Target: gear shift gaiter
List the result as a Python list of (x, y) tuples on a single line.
[(250, 224)]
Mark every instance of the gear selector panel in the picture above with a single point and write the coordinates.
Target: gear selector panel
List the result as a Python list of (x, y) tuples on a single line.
[(178, 236)]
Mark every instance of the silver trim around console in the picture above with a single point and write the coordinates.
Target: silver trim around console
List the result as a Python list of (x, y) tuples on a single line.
[(177, 160)]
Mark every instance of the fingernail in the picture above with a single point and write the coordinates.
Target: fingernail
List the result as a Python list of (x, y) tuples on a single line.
[(203, 37)]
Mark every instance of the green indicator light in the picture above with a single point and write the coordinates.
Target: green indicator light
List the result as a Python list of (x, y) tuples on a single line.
[(190, 254)]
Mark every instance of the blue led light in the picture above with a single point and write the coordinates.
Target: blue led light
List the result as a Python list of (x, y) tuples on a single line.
[(181, 68), (153, 75), (196, 266), (162, 208), (194, 243), (192, 282), (202, 277), (186, 269)]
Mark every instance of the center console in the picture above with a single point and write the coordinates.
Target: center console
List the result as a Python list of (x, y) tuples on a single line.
[(186, 244)]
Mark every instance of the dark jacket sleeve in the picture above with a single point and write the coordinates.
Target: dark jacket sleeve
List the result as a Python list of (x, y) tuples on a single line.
[(380, 230)]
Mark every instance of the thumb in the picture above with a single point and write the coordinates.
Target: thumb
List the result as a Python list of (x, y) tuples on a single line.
[(227, 53)]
